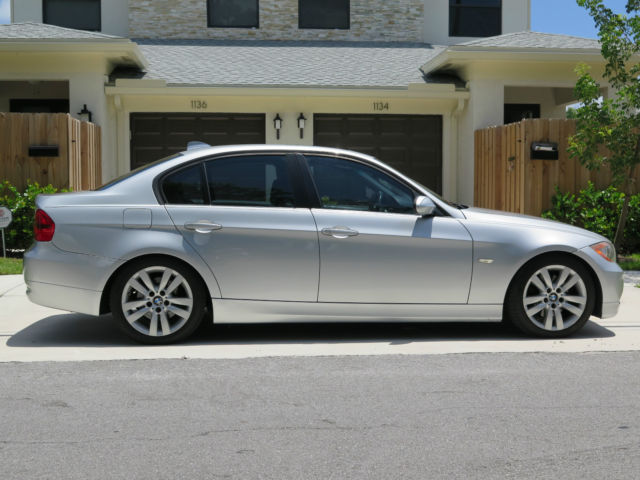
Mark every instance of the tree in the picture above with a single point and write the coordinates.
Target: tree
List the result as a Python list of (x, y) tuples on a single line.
[(612, 123)]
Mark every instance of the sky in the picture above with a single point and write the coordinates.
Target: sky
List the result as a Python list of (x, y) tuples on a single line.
[(551, 16)]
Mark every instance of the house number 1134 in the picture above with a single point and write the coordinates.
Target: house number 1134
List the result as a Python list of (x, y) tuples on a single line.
[(198, 104), (380, 106)]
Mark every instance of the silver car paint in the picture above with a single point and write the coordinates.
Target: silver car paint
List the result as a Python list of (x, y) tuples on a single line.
[(95, 236)]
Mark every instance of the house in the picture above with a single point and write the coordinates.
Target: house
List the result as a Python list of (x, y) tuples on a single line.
[(408, 81)]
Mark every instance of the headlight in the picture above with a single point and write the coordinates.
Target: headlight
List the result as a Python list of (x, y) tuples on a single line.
[(605, 250)]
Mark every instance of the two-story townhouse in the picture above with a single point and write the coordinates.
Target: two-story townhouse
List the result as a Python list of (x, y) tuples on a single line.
[(405, 80)]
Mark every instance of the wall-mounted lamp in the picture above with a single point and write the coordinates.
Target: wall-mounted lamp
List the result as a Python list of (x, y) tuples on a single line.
[(85, 114), (301, 121), (277, 124)]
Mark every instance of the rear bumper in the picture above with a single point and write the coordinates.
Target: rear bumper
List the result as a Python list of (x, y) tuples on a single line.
[(65, 280)]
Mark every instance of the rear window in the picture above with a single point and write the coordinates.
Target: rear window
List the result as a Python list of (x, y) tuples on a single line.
[(136, 171)]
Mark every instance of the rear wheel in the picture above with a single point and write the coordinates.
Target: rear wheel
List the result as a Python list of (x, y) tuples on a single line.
[(158, 301), (553, 296)]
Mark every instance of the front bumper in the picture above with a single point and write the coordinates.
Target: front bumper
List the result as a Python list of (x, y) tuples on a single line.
[(611, 279), (65, 280)]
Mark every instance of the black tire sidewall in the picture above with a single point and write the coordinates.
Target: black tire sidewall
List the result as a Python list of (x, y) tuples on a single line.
[(514, 308), (197, 289)]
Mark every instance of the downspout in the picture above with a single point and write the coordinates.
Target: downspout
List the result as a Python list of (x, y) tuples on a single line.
[(455, 156)]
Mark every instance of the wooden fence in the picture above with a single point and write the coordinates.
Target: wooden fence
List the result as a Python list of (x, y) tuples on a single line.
[(77, 165), (506, 178)]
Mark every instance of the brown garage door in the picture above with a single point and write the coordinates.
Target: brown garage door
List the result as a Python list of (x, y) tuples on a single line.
[(157, 135), (411, 144)]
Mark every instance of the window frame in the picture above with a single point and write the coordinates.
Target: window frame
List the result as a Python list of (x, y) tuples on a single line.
[(460, 7), (210, 24), (316, 195), (99, 2), (348, 27)]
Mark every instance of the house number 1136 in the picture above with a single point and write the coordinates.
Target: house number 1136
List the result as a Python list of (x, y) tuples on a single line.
[(198, 104)]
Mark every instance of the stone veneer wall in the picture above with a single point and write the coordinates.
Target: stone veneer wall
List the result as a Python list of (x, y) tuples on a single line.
[(377, 20)]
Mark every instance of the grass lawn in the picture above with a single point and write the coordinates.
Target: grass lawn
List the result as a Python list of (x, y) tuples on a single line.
[(629, 262), (10, 266)]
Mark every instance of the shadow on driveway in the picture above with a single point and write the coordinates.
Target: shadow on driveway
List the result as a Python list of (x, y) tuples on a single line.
[(76, 330)]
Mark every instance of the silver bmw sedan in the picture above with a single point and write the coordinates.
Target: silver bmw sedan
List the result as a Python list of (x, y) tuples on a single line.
[(250, 234)]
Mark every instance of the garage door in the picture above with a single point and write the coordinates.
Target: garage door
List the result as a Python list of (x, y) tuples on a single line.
[(157, 135), (411, 144)]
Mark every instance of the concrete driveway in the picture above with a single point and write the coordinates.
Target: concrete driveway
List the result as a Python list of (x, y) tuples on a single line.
[(29, 332)]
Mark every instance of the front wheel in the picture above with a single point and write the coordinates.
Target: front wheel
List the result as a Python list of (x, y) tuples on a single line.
[(553, 296), (158, 301)]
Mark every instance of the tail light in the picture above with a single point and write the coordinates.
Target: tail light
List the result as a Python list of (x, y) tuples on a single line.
[(43, 227)]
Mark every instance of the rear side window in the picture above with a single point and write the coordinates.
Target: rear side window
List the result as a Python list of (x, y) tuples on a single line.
[(185, 187), (252, 180)]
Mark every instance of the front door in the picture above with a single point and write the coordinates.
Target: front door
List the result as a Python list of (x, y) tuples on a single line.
[(374, 248), (246, 226)]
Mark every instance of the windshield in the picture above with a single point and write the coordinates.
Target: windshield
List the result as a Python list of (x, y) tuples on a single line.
[(439, 197), (136, 171)]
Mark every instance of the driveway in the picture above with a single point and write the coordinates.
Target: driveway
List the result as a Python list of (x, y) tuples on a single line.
[(29, 333)]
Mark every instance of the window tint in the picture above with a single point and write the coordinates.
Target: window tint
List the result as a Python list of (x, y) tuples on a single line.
[(255, 180), (347, 185), (78, 14), (185, 187), (328, 14), (233, 13), (475, 18)]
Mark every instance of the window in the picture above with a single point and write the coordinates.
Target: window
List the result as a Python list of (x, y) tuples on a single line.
[(233, 13), (39, 105), (327, 14), (475, 18), (256, 180), (514, 112), (78, 14), (346, 185), (185, 187)]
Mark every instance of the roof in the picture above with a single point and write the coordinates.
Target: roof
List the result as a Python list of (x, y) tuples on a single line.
[(287, 63), (534, 40), (41, 31)]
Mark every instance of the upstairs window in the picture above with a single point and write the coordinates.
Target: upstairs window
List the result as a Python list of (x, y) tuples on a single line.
[(475, 18), (233, 13), (323, 14), (78, 14)]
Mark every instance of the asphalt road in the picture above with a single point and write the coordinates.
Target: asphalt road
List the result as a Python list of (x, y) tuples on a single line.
[(524, 415)]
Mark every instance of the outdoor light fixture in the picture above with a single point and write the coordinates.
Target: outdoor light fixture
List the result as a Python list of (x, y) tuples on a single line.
[(277, 124), (85, 114), (301, 121)]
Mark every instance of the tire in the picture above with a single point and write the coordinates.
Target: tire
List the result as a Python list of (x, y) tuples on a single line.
[(551, 297), (168, 312)]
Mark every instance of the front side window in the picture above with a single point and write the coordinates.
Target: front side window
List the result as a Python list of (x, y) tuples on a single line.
[(78, 14), (185, 187), (475, 18), (252, 180), (233, 13), (325, 14), (348, 185)]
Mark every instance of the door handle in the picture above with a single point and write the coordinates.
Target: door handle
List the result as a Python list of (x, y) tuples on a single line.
[(202, 226), (339, 232)]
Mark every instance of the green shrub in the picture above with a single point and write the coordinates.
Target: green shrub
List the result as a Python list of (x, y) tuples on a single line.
[(19, 235), (598, 211)]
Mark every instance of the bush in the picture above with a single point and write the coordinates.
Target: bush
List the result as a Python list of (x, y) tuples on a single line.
[(598, 211), (19, 235)]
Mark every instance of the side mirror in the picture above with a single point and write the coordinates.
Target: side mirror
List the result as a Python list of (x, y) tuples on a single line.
[(425, 206)]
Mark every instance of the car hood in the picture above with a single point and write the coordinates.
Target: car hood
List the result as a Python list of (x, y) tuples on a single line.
[(494, 216)]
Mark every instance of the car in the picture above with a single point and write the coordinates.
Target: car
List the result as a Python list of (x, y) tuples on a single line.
[(270, 233)]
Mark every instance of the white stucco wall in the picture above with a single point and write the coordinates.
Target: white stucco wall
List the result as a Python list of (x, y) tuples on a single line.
[(516, 17), (115, 14), (546, 97)]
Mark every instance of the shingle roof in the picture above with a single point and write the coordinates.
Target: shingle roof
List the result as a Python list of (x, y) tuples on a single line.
[(534, 40), (290, 64), (40, 31)]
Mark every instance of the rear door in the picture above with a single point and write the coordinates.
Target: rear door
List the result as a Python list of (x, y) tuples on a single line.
[(374, 248), (247, 226)]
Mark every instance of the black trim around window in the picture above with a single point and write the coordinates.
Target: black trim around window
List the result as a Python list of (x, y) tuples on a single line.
[(71, 21), (475, 18), (312, 14), (213, 23)]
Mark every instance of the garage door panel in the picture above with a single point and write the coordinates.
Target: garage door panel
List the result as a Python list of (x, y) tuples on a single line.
[(411, 144), (156, 135)]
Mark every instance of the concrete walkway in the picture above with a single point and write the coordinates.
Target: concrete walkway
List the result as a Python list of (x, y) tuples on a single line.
[(29, 333)]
